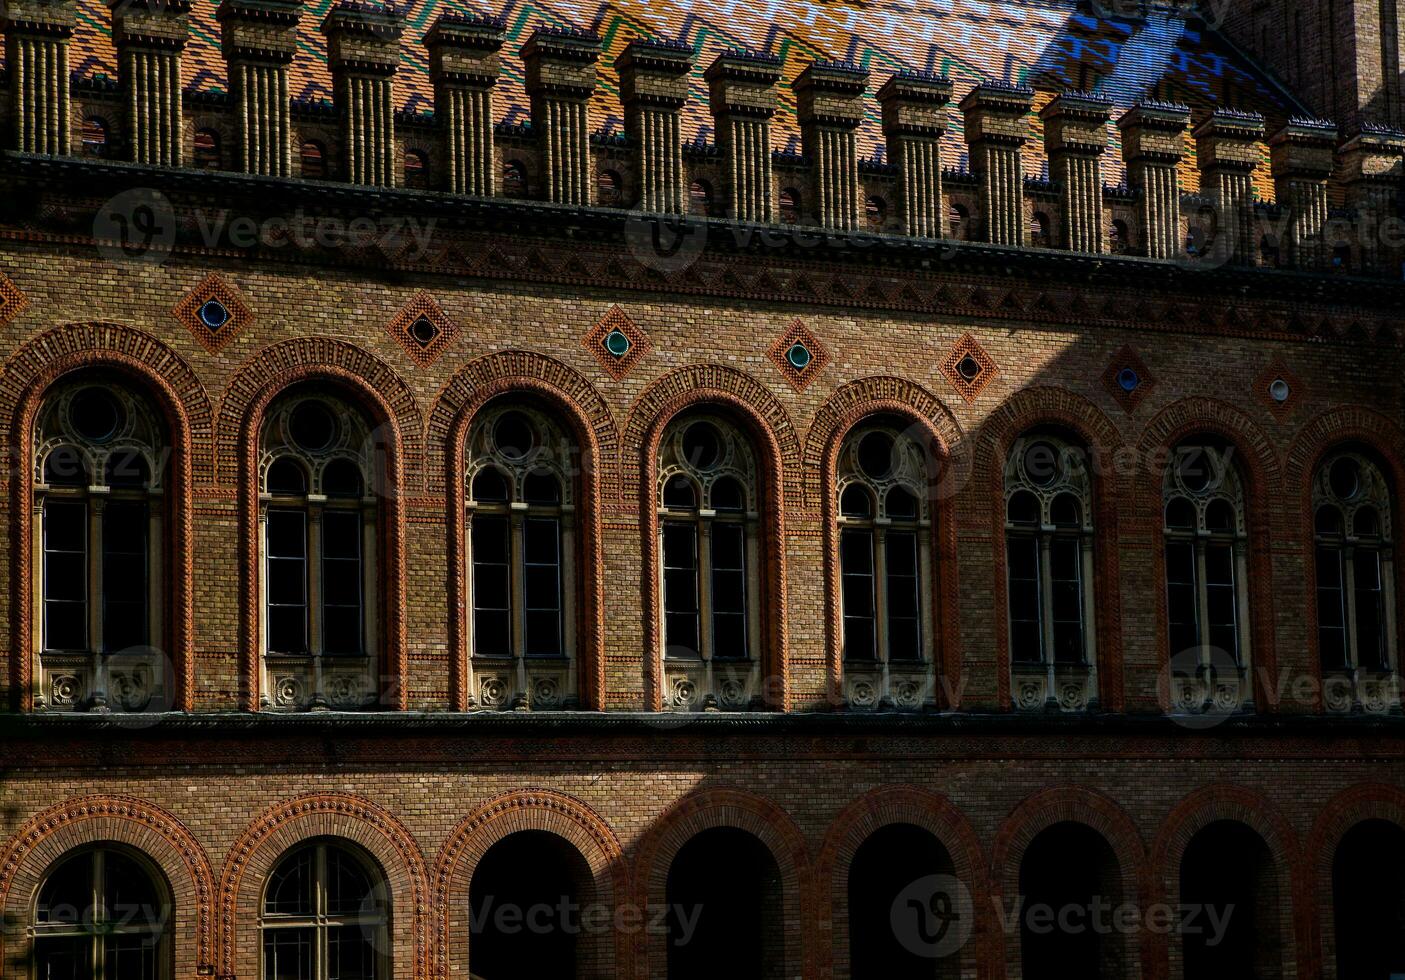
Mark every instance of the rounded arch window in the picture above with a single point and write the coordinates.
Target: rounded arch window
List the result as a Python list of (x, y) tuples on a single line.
[(520, 468), (313, 158), (1039, 230), (609, 189), (789, 206), (416, 169), (700, 198), (958, 222), (325, 915), (95, 134), (1355, 569), (875, 212), (884, 475), (514, 179), (1119, 238), (207, 150), (1205, 537), (102, 911)]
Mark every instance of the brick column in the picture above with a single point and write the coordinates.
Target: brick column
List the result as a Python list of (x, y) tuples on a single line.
[(914, 121), (36, 55), (996, 128), (653, 89), (742, 96), (463, 63), (150, 35), (363, 52), (1075, 137), (259, 39), (1303, 155), (1226, 151), (1153, 142), (561, 80), (1372, 165), (829, 102)]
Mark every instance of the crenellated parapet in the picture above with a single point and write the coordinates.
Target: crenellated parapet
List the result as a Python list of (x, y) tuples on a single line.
[(1153, 143), (37, 33), (1303, 155), (561, 75), (1075, 135), (464, 66), (997, 126), (653, 90), (363, 52), (914, 122), (1227, 152), (830, 106), (742, 97)]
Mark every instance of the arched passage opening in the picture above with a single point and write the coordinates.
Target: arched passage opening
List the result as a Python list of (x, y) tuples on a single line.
[(725, 914), (892, 935), (1071, 884), (1368, 901), (1230, 905), (526, 900)]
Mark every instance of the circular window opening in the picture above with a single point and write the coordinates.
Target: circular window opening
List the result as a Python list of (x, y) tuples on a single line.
[(423, 332), (969, 368), (1041, 463), (1194, 468), (513, 435), (702, 445), (95, 415), (876, 455), (313, 427), (214, 314), (798, 356), (1128, 379), (1279, 390), (616, 343), (1345, 478)]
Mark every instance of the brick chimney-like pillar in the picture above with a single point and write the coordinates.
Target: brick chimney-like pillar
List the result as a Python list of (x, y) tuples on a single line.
[(463, 63), (1226, 149), (1303, 156), (561, 80), (653, 89), (997, 126), (914, 121), (829, 100), (150, 35), (36, 54), (259, 39), (1153, 143), (742, 96), (1075, 136), (1372, 165), (363, 51)]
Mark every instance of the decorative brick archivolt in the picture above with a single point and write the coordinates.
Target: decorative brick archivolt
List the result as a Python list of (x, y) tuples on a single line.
[(1369, 801), (396, 425), (1027, 409), (1037, 813), (536, 377), (758, 816), (846, 408), (885, 807), (1210, 804), (350, 819), (1333, 429), (145, 827), (1258, 467), (154, 369), (542, 810), (778, 449)]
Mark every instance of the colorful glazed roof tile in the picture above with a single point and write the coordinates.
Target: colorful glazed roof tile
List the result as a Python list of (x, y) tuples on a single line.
[(1052, 45)]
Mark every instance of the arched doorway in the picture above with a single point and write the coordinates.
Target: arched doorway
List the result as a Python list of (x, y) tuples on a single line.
[(526, 901), (1368, 901), (1071, 884), (725, 912), (889, 868), (1230, 900)]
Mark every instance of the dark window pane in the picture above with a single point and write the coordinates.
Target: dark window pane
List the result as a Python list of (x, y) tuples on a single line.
[(490, 540), (1026, 630), (290, 886), (490, 487), (287, 629), (491, 634), (1370, 619), (679, 492), (66, 897), (856, 502), (1066, 570), (727, 495), (286, 477), (859, 640), (543, 633), (491, 587), (286, 570), (904, 599), (729, 636), (341, 478), (65, 466), (543, 538), (1331, 608), (1181, 596), (129, 957), (341, 629), (349, 888), (857, 580), (680, 590), (341, 534), (904, 640), (286, 582), (729, 590), (341, 582), (287, 954), (351, 953), (541, 488), (125, 576), (287, 537), (65, 572), (63, 958)]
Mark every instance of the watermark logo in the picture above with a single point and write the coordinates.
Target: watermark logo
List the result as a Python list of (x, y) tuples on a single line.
[(665, 243), (933, 917), (138, 225)]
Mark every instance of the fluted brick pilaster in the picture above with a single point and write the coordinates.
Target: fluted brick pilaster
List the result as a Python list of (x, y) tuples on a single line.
[(464, 66), (1303, 156), (1075, 136), (914, 121), (653, 89), (363, 51), (829, 101), (1226, 149), (259, 38), (997, 125), (1372, 163), (37, 33), (561, 77), (742, 97), (150, 35), (1153, 143)]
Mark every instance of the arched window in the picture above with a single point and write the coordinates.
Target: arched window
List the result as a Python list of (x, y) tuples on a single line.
[(1039, 230), (708, 546), (514, 179), (521, 547), (99, 455), (885, 563), (958, 222), (207, 149), (1351, 505), (1119, 239), (95, 137), (100, 913), (875, 213), (609, 189), (319, 516), (1207, 599), (1049, 572), (314, 160), (700, 198), (789, 206), (325, 916), (416, 169)]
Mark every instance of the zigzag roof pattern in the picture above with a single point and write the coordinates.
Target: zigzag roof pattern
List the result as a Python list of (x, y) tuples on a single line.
[(1051, 45)]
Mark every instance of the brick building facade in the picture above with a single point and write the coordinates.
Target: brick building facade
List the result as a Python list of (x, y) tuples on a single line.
[(415, 516)]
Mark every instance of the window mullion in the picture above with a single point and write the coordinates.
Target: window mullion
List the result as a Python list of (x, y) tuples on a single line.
[(704, 556), (1046, 604), (313, 571), (1348, 560), (517, 579), (880, 594), (95, 593), (1202, 603)]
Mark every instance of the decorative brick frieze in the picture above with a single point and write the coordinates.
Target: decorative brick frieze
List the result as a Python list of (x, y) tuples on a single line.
[(1075, 135), (464, 66), (997, 127), (914, 121), (1153, 143), (654, 89), (742, 98), (561, 75)]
